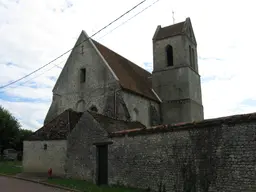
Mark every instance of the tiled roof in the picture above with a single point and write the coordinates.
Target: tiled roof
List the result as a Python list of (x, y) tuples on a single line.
[(113, 125), (59, 128), (231, 120), (132, 77), (169, 31)]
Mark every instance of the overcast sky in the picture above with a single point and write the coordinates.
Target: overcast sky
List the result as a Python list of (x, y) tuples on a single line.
[(34, 32)]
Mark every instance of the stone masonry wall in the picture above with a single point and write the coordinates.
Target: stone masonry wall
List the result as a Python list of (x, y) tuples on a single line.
[(81, 152), (212, 155), (37, 159), (144, 109), (100, 83)]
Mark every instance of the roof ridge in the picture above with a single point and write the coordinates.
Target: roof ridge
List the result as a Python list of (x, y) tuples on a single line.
[(67, 110), (169, 31), (182, 22), (58, 127)]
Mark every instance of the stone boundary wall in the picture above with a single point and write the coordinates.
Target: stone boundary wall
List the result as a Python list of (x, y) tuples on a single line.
[(211, 155)]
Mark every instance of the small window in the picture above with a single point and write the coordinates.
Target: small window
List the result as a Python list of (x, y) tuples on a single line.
[(135, 114), (190, 56), (93, 108), (45, 146), (82, 49), (193, 58), (169, 55), (82, 75), (190, 32)]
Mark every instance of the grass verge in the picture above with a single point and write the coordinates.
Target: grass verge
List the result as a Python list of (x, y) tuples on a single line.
[(10, 167), (87, 186), (15, 167)]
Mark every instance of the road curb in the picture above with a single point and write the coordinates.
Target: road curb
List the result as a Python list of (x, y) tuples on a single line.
[(42, 183)]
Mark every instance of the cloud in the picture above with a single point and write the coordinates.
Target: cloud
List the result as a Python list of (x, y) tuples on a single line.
[(32, 33), (148, 66), (29, 114), (30, 92)]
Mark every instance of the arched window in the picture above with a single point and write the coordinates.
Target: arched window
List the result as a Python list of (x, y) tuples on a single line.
[(93, 108), (135, 114), (169, 55), (80, 106)]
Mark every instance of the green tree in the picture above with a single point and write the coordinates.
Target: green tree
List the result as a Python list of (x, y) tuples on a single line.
[(22, 135), (9, 129)]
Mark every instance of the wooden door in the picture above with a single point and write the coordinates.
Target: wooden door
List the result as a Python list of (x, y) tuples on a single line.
[(102, 164)]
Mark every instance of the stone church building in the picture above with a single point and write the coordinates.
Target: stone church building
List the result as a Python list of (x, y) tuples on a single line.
[(98, 79), (112, 122)]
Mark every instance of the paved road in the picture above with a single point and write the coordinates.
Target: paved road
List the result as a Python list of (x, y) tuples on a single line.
[(16, 185)]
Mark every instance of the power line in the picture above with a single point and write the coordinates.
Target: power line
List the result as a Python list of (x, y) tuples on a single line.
[(129, 19), (55, 65), (98, 39), (8, 84)]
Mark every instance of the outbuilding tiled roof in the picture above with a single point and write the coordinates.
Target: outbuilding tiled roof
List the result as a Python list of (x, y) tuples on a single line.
[(113, 125), (132, 77), (59, 128)]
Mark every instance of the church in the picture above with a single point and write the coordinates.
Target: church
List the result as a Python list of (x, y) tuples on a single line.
[(99, 92), (98, 79), (112, 122)]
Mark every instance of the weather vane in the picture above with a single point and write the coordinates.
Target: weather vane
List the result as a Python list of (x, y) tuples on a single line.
[(173, 20)]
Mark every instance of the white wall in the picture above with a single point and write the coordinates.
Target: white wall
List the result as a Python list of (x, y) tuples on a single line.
[(36, 159)]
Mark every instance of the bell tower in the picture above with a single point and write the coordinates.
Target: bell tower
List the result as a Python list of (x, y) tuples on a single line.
[(175, 76)]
